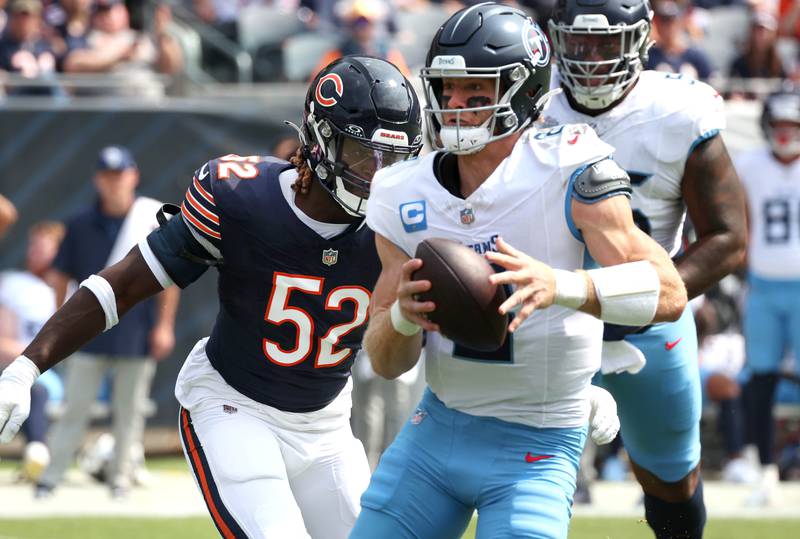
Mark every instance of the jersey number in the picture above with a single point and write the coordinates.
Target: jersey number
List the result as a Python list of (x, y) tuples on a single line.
[(279, 312), (778, 220), (241, 167)]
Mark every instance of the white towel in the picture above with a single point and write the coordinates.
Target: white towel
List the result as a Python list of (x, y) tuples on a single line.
[(621, 356), (140, 221)]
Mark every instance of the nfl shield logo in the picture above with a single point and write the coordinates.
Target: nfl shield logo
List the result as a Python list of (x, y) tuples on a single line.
[(418, 416), (467, 216), (330, 257)]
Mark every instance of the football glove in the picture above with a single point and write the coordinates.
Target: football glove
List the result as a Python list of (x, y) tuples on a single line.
[(603, 420), (15, 396)]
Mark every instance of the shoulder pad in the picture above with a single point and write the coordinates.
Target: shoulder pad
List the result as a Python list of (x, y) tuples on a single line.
[(600, 180)]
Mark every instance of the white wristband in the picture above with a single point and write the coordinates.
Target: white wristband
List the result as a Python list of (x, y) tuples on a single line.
[(400, 323), (23, 370), (628, 293), (572, 290), (105, 296)]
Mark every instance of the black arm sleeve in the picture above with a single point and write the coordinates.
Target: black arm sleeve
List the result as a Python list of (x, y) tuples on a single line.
[(182, 256)]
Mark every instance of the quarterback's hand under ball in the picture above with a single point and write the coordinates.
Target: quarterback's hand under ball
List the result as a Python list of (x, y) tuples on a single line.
[(412, 310), (15, 396), (603, 420), (534, 282)]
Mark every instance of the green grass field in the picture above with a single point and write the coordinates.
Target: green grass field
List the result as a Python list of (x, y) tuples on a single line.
[(201, 528)]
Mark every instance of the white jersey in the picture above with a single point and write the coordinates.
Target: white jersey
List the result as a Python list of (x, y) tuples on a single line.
[(540, 377), (654, 129), (31, 300), (773, 198)]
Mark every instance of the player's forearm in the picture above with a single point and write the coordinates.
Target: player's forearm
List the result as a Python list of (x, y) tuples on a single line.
[(672, 297), (82, 317), (667, 307), (76, 323), (709, 259), (390, 352)]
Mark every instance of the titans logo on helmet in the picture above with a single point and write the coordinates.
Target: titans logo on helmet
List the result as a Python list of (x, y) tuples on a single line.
[(536, 44)]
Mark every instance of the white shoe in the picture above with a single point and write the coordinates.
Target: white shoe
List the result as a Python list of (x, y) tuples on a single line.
[(740, 470), (765, 490), (34, 460)]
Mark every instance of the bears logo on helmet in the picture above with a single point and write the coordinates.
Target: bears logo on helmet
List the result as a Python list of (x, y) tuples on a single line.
[(338, 87)]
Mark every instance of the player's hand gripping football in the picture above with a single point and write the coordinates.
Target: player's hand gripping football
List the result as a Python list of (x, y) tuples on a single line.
[(414, 310), (15, 396), (534, 282), (603, 420)]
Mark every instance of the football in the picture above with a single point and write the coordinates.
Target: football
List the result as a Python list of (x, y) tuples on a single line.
[(466, 302)]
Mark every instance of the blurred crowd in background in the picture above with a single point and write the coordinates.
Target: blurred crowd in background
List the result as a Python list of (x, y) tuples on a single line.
[(55, 49), (727, 42)]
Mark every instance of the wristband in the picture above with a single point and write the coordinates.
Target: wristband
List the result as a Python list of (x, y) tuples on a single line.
[(572, 290), (400, 323)]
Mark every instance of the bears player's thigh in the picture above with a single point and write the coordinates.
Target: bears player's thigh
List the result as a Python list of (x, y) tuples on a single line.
[(238, 465), (659, 408), (764, 330), (410, 493), (329, 490)]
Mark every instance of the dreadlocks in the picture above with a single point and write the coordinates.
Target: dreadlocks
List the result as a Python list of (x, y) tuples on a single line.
[(304, 174)]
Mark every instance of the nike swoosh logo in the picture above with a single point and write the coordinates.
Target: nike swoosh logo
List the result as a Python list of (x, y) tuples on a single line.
[(203, 174), (536, 458), (573, 140), (670, 345)]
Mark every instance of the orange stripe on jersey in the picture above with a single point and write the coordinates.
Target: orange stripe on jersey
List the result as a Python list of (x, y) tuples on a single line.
[(200, 226), (201, 478), (205, 194), (199, 207)]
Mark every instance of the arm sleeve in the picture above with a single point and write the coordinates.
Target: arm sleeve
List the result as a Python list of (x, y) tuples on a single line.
[(199, 211), (185, 246), (174, 255)]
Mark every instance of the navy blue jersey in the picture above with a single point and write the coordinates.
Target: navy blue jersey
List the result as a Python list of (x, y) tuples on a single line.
[(293, 305)]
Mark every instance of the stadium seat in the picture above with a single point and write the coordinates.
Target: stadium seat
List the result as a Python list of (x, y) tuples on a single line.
[(302, 53), (264, 25), (192, 48)]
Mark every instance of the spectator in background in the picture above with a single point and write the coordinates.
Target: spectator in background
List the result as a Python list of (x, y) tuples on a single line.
[(70, 21), (760, 57), (789, 15), (672, 52), (771, 177), (8, 215), (721, 353), (364, 37), (3, 15), (26, 302), (114, 47), (96, 238), (23, 48)]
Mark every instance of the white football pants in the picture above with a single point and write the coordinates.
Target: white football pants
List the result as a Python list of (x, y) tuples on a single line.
[(267, 473)]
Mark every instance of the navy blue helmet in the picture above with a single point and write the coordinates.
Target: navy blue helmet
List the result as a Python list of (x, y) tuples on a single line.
[(361, 114)]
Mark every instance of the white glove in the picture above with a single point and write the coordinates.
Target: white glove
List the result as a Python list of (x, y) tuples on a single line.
[(603, 420), (15, 396), (621, 356)]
